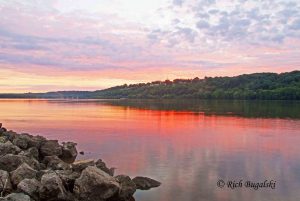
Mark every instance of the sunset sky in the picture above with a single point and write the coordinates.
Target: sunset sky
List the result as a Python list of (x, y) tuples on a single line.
[(94, 44)]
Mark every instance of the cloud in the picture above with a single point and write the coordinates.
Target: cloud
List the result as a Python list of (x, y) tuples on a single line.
[(178, 2), (295, 24), (187, 33), (181, 34), (202, 24), (243, 22)]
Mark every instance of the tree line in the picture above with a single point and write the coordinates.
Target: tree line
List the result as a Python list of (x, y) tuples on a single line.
[(283, 86)]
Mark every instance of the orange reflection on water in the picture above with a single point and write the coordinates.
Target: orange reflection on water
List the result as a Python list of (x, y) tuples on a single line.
[(181, 148)]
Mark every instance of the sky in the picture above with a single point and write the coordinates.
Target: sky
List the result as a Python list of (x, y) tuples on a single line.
[(55, 45)]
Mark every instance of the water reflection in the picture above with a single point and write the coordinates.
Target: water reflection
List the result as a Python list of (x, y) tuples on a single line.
[(245, 108), (184, 148)]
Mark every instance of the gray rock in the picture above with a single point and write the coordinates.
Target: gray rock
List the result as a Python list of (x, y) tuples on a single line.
[(68, 178), (5, 183), (17, 197), (55, 163), (78, 166), (95, 185), (52, 188), (51, 148), (32, 152), (41, 173), (101, 165), (145, 183), (9, 148), (3, 139), (21, 141), (30, 187), (10, 135), (24, 171), (10, 162), (128, 187), (69, 152), (36, 141)]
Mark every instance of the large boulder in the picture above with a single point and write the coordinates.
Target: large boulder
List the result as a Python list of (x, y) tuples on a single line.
[(51, 148), (145, 183), (5, 183), (24, 171), (128, 187), (30, 187), (16, 197), (95, 185), (78, 166), (69, 152), (9, 148), (52, 188), (55, 163)]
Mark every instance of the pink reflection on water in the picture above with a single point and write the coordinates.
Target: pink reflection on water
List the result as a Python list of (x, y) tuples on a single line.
[(183, 149)]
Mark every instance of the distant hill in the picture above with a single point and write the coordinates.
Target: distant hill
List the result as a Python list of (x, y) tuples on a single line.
[(273, 86), (284, 86)]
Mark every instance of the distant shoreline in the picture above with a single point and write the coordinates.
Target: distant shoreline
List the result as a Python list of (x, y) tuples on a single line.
[(256, 86)]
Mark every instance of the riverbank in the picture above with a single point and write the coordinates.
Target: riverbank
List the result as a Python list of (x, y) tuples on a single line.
[(33, 168)]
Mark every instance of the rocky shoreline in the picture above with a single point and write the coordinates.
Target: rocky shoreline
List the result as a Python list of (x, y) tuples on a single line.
[(33, 168)]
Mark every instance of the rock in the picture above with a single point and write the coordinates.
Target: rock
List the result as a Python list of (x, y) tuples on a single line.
[(101, 165), (42, 170), (24, 171), (36, 141), (9, 148), (52, 188), (68, 178), (128, 187), (10, 162), (32, 152), (2, 130), (144, 183), (3, 139), (81, 153), (30, 187), (95, 185), (5, 183), (78, 166), (41, 173), (17, 197), (21, 141), (10, 135), (69, 152), (51, 148), (55, 163)]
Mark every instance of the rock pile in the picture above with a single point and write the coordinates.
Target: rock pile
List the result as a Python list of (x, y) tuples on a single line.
[(33, 168)]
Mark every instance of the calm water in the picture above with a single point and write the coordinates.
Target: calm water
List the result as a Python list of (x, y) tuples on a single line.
[(187, 145)]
